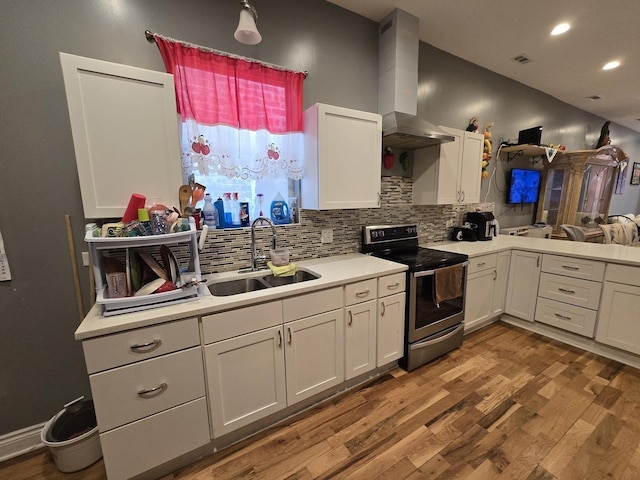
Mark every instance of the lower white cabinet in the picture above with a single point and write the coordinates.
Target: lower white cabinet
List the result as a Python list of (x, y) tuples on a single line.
[(314, 354), (619, 307), (391, 320), (246, 379), (487, 277), (360, 338), (524, 276)]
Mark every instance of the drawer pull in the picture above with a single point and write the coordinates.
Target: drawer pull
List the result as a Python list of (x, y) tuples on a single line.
[(145, 346), (383, 309), (155, 390), (482, 264), (350, 318), (393, 285), (563, 317), (570, 267), (364, 293), (290, 336), (565, 290), (279, 339)]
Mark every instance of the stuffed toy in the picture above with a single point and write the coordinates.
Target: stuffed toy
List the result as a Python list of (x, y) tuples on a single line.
[(473, 124), (486, 151)]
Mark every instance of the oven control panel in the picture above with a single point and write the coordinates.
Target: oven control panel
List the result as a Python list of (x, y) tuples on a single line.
[(389, 233)]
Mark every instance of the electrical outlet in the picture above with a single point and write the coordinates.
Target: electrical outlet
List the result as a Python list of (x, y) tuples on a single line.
[(450, 223), (85, 259), (327, 236)]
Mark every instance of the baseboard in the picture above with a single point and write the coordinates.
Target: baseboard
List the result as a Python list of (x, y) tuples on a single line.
[(20, 442)]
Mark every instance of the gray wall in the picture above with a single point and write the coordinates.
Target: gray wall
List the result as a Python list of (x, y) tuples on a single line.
[(41, 366)]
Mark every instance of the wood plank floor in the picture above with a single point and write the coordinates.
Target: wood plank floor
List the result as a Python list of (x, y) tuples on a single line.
[(509, 404)]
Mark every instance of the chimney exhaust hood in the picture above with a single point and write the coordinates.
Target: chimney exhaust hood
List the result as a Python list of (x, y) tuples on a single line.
[(398, 86), (401, 130)]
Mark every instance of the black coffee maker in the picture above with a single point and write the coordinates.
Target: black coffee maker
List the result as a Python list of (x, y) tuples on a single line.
[(486, 224)]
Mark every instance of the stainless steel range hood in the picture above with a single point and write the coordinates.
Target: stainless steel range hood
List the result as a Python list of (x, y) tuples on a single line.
[(398, 85), (409, 132)]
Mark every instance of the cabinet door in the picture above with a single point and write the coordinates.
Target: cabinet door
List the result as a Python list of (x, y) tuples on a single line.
[(360, 339), (125, 133), (450, 156), (478, 303), (391, 320), (246, 379), (470, 170), (314, 354), (500, 284), (524, 275), (617, 320), (341, 145)]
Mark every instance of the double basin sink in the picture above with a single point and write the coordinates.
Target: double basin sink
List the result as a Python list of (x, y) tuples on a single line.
[(254, 283)]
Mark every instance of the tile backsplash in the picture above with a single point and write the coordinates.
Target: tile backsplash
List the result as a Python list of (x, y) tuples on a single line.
[(227, 250)]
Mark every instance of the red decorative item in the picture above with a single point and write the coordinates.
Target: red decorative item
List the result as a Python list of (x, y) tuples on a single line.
[(388, 159)]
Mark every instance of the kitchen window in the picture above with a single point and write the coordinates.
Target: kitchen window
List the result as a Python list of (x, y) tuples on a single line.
[(241, 123)]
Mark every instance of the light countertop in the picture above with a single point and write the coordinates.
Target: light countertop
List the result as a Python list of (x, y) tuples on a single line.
[(333, 271), (625, 255)]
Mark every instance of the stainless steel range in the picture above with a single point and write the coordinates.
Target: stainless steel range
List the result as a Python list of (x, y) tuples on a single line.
[(436, 283)]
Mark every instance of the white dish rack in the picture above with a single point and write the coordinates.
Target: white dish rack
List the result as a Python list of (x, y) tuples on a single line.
[(98, 246)]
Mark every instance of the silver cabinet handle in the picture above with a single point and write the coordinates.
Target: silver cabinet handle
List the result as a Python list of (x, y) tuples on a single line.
[(279, 339), (570, 267), (290, 335), (565, 290), (538, 261), (363, 293), (564, 317), (148, 346), (159, 389), (350, 322), (393, 286), (383, 309), (495, 275), (482, 264), (463, 195)]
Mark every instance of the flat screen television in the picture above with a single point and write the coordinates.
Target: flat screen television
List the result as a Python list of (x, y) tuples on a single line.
[(524, 186)]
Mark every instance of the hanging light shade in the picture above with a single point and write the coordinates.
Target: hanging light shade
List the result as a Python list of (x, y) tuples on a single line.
[(247, 31)]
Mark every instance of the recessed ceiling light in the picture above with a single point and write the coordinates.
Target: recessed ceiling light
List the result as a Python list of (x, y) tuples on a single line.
[(611, 65), (560, 29)]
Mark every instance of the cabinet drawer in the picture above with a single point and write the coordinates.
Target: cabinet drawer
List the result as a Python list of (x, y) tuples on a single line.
[(623, 274), (170, 380), (391, 284), (573, 267), (568, 317), (233, 323), (574, 291), (142, 445), (483, 262), (361, 291), (110, 351), (311, 304)]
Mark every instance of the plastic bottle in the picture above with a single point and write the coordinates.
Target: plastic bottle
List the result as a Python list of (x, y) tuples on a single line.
[(209, 212), (219, 206), (227, 210), (279, 210), (235, 210), (259, 209)]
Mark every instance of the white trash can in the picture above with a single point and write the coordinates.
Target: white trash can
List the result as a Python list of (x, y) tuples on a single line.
[(72, 436)]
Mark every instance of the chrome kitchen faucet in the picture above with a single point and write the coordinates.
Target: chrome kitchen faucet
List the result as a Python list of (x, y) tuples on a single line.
[(254, 257)]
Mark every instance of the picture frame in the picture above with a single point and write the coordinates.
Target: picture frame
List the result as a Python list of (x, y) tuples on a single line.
[(635, 174)]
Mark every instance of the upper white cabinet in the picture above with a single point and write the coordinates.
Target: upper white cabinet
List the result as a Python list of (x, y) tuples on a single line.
[(125, 133), (450, 174), (343, 149)]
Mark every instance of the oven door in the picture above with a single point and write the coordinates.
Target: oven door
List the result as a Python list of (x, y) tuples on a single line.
[(425, 317)]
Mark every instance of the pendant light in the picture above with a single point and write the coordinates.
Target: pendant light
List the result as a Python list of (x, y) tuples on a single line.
[(247, 31)]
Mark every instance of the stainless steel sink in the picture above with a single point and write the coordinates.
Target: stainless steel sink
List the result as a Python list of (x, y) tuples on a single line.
[(299, 276), (252, 284), (234, 287)]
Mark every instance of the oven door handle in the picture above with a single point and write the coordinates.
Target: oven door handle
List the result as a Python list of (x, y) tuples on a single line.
[(427, 343), (426, 273)]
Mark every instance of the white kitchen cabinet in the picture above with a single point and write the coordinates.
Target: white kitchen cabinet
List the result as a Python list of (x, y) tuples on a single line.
[(450, 173), (486, 289), (149, 395), (125, 133), (391, 318), (360, 327), (618, 315), (343, 158), (524, 276), (246, 379), (314, 354), (569, 293)]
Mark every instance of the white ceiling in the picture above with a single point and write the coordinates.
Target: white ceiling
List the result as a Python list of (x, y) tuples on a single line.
[(568, 67)]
